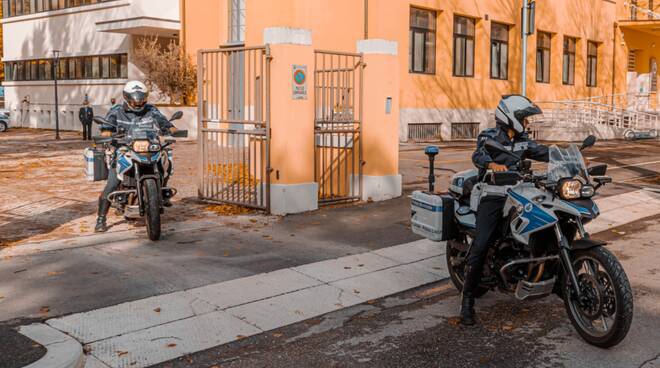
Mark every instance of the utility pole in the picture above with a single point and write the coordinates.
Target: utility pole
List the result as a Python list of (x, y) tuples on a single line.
[(56, 68), (527, 18)]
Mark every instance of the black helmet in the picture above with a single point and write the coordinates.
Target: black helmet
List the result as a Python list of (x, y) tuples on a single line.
[(512, 111), (135, 95)]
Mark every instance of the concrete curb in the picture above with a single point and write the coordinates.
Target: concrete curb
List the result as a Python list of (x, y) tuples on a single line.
[(63, 351)]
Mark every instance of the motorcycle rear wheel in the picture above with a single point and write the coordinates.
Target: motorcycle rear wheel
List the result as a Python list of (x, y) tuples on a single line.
[(605, 318), (3, 126), (152, 202), (456, 272)]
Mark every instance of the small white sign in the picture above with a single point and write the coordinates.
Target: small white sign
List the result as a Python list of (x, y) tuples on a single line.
[(299, 82)]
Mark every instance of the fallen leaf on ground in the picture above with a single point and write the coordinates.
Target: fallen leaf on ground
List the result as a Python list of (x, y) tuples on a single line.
[(619, 232), (253, 220), (55, 273), (157, 310), (277, 334), (240, 337), (356, 291), (122, 353), (454, 321), (171, 345), (225, 254), (44, 310), (347, 268)]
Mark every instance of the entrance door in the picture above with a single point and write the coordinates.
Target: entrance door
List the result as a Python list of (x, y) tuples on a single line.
[(234, 130), (338, 126)]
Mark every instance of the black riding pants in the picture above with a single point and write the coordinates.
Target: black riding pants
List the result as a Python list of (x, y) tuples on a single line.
[(489, 218)]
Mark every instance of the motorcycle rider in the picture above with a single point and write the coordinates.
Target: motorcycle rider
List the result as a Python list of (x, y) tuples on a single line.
[(134, 108), (511, 120)]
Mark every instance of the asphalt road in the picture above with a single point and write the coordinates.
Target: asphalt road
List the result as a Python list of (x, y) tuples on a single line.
[(419, 328)]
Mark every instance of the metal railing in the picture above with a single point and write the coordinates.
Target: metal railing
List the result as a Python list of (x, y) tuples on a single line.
[(234, 126), (641, 10), (596, 113)]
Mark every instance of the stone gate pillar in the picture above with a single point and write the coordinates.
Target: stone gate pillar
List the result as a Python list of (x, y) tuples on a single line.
[(293, 189), (380, 127)]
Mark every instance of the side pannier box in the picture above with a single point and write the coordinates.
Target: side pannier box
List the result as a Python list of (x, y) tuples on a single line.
[(95, 166), (433, 216)]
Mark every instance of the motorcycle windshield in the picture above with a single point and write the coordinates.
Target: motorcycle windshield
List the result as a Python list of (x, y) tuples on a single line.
[(566, 163), (143, 129)]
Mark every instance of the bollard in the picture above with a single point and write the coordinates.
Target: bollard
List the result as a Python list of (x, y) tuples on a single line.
[(431, 152)]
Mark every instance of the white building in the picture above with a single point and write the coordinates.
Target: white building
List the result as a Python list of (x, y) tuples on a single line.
[(96, 39)]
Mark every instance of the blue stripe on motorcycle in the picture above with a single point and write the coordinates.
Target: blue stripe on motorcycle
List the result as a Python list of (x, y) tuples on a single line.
[(580, 209), (536, 217), (427, 206)]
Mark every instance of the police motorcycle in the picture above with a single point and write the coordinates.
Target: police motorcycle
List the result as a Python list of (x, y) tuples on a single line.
[(143, 159), (543, 246)]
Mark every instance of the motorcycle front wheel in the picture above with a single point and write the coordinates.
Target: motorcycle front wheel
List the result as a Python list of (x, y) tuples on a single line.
[(3, 126), (604, 314), (152, 202)]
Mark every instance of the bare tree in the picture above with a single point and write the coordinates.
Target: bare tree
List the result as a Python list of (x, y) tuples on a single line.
[(168, 69)]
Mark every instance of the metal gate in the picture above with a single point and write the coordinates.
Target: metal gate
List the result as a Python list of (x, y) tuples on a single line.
[(234, 126), (338, 126)]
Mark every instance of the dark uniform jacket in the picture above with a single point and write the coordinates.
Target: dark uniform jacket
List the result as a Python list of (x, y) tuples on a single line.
[(522, 146), (121, 113), (86, 114)]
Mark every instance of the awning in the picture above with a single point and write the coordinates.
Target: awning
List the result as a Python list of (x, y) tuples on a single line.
[(648, 26), (141, 26)]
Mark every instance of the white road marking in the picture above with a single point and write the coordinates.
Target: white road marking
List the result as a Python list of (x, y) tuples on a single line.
[(633, 165)]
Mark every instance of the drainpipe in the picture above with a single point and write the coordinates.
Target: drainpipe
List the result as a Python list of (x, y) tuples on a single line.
[(366, 19), (182, 35), (614, 62), (525, 17)]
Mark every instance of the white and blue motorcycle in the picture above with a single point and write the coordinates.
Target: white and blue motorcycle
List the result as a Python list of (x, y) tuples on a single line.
[(543, 246)]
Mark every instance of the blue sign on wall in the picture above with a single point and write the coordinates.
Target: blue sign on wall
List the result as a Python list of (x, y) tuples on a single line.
[(2, 91)]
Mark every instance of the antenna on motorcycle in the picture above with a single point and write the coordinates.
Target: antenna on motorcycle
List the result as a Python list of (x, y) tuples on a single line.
[(431, 152)]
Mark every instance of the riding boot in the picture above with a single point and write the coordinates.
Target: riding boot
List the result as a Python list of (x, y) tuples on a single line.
[(101, 224), (472, 277)]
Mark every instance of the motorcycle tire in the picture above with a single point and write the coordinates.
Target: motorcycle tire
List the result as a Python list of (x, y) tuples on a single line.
[(456, 275), (152, 202), (3, 126), (614, 275)]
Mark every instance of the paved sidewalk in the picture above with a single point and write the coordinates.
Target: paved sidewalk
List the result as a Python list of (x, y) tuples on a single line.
[(160, 328)]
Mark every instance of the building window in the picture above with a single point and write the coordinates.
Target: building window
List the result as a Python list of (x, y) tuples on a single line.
[(592, 63), (236, 21), (499, 51), (568, 66), (463, 65), (74, 68), (14, 8), (422, 41), (543, 57)]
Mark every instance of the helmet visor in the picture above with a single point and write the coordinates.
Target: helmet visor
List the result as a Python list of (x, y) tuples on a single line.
[(136, 100)]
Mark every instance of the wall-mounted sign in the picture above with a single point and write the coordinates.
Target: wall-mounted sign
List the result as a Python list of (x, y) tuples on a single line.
[(300, 82)]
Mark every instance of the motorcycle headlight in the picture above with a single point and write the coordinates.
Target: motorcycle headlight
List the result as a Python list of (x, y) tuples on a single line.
[(141, 146), (154, 147), (570, 189)]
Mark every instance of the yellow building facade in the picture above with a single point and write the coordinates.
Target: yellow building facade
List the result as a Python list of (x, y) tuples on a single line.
[(610, 33), (431, 69)]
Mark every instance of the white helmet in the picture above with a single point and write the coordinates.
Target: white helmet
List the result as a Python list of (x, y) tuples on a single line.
[(512, 111), (136, 94)]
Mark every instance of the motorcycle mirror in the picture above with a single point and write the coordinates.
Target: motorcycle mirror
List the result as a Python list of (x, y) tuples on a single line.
[(101, 121), (177, 115), (588, 142)]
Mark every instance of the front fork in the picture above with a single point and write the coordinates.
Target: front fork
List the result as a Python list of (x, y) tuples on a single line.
[(565, 256)]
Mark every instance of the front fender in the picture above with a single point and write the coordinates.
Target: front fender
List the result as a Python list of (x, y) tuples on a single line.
[(583, 244)]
